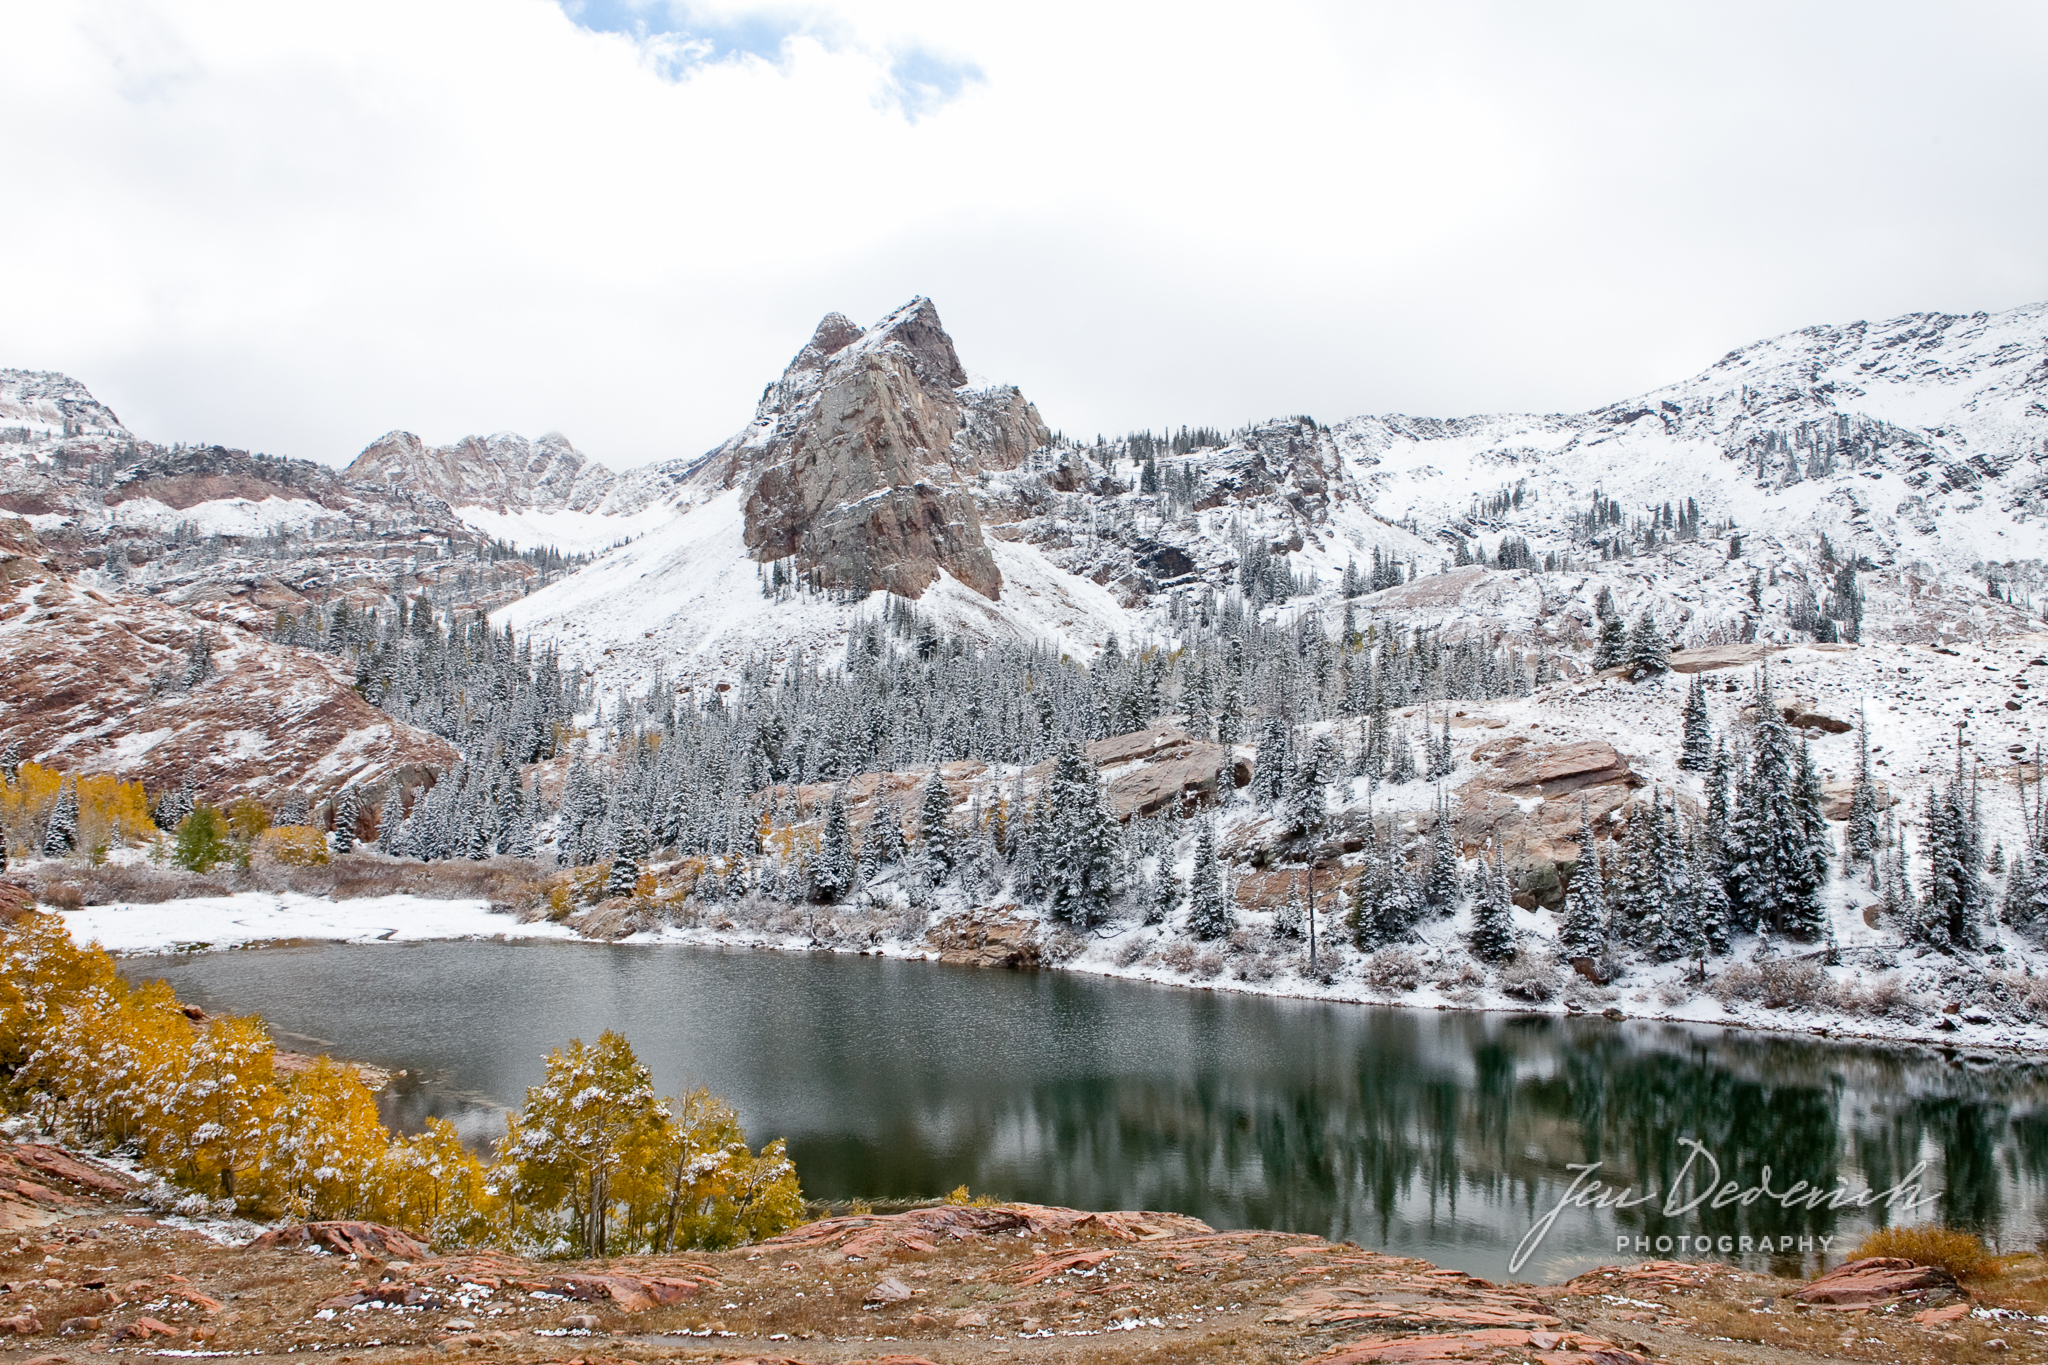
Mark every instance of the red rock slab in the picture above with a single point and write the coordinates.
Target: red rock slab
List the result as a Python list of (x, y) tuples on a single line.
[(1324, 1306), (50, 1161), (346, 1238), (1955, 1312), (1552, 1348), (1871, 1279), (1044, 1267)]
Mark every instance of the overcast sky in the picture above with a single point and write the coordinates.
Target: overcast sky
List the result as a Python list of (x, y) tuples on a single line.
[(294, 227)]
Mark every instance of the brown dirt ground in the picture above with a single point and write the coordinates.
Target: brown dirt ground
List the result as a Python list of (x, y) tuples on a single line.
[(84, 1268)]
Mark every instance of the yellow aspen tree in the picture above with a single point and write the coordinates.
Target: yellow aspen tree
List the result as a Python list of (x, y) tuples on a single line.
[(324, 1147), (213, 1107), (577, 1131)]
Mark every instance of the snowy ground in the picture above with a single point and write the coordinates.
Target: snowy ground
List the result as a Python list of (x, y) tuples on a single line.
[(257, 917)]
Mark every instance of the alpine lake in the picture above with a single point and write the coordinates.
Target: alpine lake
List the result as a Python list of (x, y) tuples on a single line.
[(1444, 1135)]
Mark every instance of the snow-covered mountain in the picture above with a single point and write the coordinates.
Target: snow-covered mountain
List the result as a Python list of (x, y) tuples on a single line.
[(1913, 446)]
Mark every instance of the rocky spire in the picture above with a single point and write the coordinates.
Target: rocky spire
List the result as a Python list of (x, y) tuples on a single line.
[(858, 457)]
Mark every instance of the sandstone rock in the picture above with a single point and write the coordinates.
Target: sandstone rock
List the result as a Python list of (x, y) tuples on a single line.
[(1153, 769), (857, 459), (996, 937), (347, 1239), (1524, 766), (51, 1161), (1836, 796), (890, 1290), (1873, 1279)]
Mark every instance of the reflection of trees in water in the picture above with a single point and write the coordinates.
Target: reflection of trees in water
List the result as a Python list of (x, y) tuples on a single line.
[(1410, 1128)]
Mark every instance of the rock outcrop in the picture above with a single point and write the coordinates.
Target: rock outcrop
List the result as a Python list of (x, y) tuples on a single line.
[(101, 685), (505, 471), (859, 458)]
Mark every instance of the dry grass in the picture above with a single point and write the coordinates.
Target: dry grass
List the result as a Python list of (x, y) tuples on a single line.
[(1959, 1253)]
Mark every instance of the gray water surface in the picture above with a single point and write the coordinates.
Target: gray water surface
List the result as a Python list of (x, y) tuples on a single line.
[(1440, 1135)]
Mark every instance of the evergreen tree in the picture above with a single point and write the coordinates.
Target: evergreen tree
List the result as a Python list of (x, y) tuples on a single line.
[(1776, 870), (1612, 648), (1696, 749), (1381, 912), (1648, 656), (1210, 914), (1493, 927), (1443, 759), (1584, 932), (391, 825), (625, 870), (61, 836), (1078, 844), (934, 828), (1307, 808), (832, 869), (1440, 883), (347, 808), (1269, 765), (1954, 900), (1862, 834), (1163, 896)]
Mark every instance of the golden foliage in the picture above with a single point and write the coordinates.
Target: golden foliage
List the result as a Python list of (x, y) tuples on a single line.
[(1959, 1253), (289, 846), (110, 812), (209, 1108)]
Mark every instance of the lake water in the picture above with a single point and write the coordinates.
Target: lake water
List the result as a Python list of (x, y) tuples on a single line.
[(1432, 1134)]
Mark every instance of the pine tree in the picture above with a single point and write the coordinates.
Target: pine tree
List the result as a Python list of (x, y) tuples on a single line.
[(1648, 656), (1163, 896), (832, 869), (1440, 883), (1380, 912), (391, 825), (1269, 765), (1078, 861), (1210, 914), (1443, 759), (1776, 872), (347, 808), (1613, 644), (1862, 834), (935, 832), (61, 837), (625, 870), (1696, 749), (1493, 927), (1584, 932), (1307, 807), (1954, 899)]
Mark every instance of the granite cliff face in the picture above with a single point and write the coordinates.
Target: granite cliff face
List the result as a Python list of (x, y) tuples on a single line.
[(861, 459)]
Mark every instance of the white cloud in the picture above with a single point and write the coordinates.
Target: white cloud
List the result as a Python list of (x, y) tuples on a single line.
[(293, 228)]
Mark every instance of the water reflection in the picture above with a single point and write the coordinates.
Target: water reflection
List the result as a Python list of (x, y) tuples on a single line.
[(1431, 1134)]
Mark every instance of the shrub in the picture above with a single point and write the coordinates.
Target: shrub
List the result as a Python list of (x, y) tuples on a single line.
[(1392, 971), (1178, 957), (1531, 975), (1793, 985), (289, 846), (1959, 1253), (202, 840)]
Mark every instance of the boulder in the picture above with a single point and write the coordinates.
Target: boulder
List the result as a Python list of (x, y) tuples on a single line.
[(890, 1290), (345, 1238), (1526, 767), (1836, 796), (1874, 1279), (1151, 770), (994, 937)]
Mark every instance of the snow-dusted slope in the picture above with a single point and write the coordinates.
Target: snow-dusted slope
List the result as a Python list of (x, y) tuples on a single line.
[(1915, 442)]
